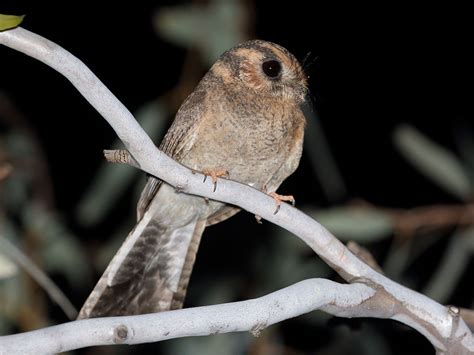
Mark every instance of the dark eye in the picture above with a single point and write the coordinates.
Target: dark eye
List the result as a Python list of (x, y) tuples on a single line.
[(271, 68)]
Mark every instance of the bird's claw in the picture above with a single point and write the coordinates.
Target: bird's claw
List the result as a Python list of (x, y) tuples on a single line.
[(215, 174), (280, 198)]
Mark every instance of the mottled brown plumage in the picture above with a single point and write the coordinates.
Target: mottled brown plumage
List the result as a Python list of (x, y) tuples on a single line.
[(244, 117)]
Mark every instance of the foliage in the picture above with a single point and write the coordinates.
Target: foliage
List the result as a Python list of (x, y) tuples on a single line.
[(9, 21)]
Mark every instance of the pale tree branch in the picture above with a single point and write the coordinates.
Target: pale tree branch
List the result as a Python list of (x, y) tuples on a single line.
[(441, 325), (252, 315)]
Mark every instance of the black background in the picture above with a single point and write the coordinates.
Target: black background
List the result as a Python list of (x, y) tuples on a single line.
[(376, 68)]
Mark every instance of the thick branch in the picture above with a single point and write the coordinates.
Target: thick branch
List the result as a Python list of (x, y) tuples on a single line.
[(447, 332), (252, 315)]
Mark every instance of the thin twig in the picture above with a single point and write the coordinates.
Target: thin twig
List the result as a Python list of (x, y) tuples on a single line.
[(408, 222), (16, 256)]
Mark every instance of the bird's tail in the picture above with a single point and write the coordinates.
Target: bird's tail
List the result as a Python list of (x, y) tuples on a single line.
[(149, 273)]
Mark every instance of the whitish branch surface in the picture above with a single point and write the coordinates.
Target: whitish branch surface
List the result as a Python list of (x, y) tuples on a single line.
[(252, 315)]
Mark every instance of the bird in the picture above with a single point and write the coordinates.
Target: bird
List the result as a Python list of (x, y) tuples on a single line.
[(244, 121)]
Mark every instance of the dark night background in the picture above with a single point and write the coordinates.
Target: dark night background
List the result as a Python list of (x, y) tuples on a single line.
[(376, 68)]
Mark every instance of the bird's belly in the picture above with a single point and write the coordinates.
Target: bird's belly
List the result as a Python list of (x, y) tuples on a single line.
[(251, 158)]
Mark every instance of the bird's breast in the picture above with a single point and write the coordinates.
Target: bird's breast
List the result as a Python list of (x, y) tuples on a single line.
[(250, 143)]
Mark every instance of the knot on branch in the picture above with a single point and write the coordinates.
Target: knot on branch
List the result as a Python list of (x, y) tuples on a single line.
[(257, 329), (120, 156), (121, 334)]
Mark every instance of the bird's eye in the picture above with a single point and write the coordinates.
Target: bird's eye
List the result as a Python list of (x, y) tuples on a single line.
[(271, 68)]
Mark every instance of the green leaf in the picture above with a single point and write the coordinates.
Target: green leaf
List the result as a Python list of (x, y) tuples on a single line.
[(60, 249), (360, 225), (7, 268), (434, 161), (10, 21)]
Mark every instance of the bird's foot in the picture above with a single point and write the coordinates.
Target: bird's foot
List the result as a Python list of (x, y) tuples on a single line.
[(280, 198), (215, 174)]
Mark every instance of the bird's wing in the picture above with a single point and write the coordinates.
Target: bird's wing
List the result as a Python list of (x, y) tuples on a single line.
[(177, 142), (149, 191)]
